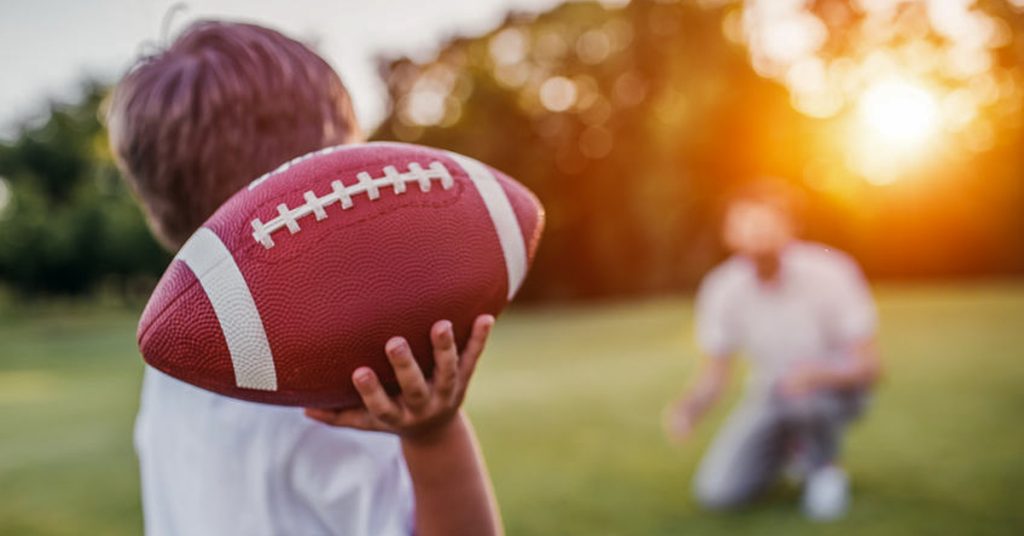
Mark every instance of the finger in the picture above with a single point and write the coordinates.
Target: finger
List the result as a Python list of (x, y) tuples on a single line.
[(415, 391), (477, 340), (446, 359), (375, 398), (351, 418)]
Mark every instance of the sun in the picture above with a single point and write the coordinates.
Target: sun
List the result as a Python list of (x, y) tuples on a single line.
[(899, 112), (896, 125)]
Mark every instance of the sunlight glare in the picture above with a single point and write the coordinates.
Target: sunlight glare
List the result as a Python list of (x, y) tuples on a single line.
[(899, 112)]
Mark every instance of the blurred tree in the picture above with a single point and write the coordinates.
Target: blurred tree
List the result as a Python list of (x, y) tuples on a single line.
[(627, 123), (632, 123), (67, 222)]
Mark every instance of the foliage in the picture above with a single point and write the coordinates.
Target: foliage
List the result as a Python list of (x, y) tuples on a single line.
[(632, 124), (69, 223)]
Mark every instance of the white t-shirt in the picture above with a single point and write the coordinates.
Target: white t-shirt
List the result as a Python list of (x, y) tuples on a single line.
[(819, 307), (212, 465)]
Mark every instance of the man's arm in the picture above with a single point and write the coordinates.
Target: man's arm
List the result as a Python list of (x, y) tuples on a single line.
[(854, 323), (450, 483), (683, 415), (860, 370)]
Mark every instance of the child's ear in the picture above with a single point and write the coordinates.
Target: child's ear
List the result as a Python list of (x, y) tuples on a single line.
[(355, 135)]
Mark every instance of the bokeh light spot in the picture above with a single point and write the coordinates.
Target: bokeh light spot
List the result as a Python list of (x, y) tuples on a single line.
[(424, 108), (593, 47), (630, 89), (899, 112), (508, 47), (558, 93)]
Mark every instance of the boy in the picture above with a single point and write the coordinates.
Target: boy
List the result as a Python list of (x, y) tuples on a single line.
[(189, 126), (804, 317)]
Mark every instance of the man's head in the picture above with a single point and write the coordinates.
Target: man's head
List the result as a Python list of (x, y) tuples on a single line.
[(225, 103), (761, 218)]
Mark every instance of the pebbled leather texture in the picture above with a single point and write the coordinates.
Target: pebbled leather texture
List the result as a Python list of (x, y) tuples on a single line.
[(331, 294)]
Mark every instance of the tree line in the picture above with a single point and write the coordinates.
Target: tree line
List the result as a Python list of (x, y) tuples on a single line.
[(631, 125)]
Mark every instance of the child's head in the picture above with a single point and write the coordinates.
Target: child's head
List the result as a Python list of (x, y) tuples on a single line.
[(225, 103)]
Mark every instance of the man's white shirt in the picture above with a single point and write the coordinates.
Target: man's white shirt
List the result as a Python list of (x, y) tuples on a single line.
[(819, 307), (212, 465)]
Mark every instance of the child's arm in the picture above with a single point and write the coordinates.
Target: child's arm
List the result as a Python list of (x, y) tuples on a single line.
[(452, 489)]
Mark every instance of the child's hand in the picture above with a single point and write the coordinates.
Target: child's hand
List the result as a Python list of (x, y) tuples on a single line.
[(423, 406)]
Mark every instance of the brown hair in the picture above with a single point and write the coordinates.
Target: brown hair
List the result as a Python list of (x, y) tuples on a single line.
[(782, 195), (225, 103)]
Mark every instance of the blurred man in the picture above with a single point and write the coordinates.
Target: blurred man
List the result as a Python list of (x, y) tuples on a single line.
[(804, 317)]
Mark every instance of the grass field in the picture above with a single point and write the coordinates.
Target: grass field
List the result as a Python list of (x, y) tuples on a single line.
[(567, 405)]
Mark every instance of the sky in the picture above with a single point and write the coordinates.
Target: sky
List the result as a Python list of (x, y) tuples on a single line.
[(47, 47)]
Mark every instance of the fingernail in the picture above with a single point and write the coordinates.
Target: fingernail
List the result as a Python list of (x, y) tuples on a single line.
[(362, 376), (395, 344), (446, 326)]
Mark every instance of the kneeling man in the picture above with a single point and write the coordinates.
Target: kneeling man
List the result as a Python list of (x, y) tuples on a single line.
[(803, 316)]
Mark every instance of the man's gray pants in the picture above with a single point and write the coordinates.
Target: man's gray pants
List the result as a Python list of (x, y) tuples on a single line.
[(762, 434)]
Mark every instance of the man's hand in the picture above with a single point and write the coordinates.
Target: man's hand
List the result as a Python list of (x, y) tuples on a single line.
[(679, 422), (681, 417), (859, 371), (423, 407), (801, 380)]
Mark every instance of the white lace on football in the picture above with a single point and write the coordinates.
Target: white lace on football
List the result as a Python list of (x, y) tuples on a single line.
[(289, 217), (295, 161)]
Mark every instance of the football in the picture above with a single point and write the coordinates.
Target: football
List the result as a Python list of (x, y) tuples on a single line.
[(303, 276)]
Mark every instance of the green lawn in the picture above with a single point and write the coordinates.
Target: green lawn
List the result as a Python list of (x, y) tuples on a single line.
[(567, 406)]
